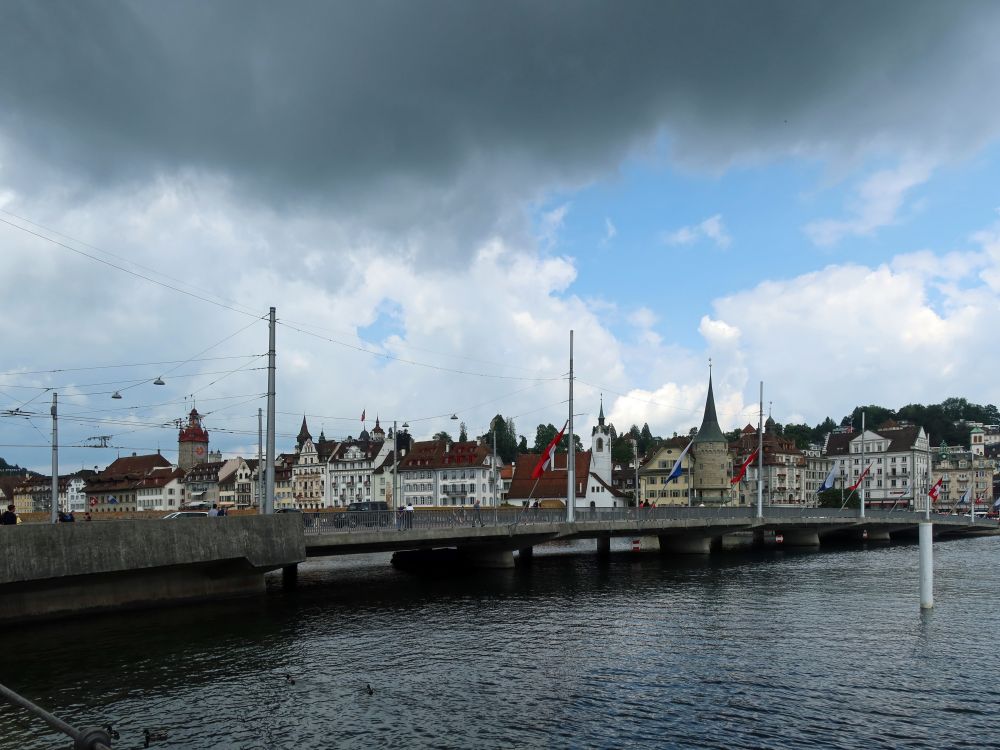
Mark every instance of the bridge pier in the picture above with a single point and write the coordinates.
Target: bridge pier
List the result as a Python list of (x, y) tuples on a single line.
[(740, 540), (689, 544), (878, 535), (603, 546), (290, 576), (800, 537), (525, 555)]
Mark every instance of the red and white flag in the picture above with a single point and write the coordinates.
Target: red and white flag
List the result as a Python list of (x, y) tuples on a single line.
[(547, 461), (935, 492), (362, 415), (858, 483), (743, 467)]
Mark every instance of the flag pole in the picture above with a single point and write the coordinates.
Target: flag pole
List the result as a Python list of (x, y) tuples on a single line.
[(760, 455), (861, 493), (571, 454)]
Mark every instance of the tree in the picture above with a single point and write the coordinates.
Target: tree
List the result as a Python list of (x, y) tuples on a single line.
[(442, 437), (834, 498), (463, 434), (543, 436), (622, 452), (506, 438), (800, 433), (522, 445)]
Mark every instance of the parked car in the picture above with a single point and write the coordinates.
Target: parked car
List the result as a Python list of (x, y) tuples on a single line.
[(185, 514), (369, 513)]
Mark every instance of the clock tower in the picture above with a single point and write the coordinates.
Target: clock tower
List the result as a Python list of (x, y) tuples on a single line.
[(192, 443)]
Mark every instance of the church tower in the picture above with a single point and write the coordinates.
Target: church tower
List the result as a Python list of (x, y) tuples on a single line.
[(712, 464), (192, 443), (600, 447), (302, 436)]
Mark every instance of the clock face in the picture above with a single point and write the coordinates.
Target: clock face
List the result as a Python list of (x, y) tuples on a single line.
[(199, 450)]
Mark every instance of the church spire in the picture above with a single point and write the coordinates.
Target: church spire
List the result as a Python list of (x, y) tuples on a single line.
[(710, 431), (600, 416), (303, 433)]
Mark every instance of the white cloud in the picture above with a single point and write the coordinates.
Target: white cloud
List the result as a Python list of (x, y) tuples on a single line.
[(877, 204), (610, 231), (711, 228), (551, 224)]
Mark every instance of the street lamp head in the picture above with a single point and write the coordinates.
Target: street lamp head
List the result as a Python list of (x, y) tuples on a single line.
[(158, 381), (116, 394), (406, 426), (454, 416)]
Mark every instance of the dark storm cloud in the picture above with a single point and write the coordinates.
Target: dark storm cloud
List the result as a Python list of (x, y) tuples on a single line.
[(464, 102)]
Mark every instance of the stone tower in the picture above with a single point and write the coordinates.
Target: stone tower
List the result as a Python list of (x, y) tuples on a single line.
[(192, 443), (712, 463), (600, 448)]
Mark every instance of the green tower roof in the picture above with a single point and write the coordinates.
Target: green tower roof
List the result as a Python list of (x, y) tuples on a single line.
[(710, 431)]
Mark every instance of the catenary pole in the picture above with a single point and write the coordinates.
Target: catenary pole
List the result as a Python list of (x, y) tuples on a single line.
[(571, 455), (269, 488), (54, 510)]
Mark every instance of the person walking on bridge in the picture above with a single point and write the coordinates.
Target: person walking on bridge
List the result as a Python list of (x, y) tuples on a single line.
[(477, 517), (8, 517)]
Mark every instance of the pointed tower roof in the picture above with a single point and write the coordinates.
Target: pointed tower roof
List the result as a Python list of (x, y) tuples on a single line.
[(600, 416), (303, 433), (378, 428), (710, 431)]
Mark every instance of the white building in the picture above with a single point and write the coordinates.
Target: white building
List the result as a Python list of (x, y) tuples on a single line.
[(897, 459)]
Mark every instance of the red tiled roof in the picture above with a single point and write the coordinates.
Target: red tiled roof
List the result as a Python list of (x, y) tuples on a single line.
[(552, 483), (137, 466), (434, 454)]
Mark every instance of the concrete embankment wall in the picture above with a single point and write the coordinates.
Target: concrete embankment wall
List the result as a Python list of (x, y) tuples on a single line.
[(49, 570)]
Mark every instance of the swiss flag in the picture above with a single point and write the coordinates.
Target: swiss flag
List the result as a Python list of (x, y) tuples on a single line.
[(548, 455), (743, 468), (935, 492)]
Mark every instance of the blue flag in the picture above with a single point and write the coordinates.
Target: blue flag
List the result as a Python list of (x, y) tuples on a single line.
[(676, 471), (831, 478)]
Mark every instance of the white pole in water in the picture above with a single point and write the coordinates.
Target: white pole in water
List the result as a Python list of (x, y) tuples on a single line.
[(926, 565)]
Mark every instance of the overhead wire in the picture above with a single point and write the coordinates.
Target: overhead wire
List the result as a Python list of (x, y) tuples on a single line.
[(383, 355), (116, 266)]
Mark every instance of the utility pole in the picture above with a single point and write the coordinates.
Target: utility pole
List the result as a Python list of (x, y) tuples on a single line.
[(395, 466), (861, 481), (54, 510), (268, 501)]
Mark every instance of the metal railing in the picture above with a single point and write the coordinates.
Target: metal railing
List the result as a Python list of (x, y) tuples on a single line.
[(467, 516), (88, 738)]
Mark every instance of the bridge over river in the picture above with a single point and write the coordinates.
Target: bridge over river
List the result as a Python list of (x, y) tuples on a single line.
[(491, 536), (50, 570)]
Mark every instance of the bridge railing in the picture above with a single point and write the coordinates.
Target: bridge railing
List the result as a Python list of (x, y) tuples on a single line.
[(467, 516)]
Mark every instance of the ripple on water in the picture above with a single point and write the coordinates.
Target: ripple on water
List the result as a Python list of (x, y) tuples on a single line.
[(780, 650)]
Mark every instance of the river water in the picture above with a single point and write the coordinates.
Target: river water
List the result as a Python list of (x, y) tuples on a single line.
[(822, 649)]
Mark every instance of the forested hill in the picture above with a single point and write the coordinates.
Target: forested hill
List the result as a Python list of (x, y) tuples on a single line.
[(947, 421), (6, 468)]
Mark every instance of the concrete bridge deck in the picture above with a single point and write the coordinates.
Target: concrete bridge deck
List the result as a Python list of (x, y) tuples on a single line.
[(49, 570), (510, 529)]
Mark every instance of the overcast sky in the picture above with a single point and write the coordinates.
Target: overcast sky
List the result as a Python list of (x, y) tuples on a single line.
[(434, 194)]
